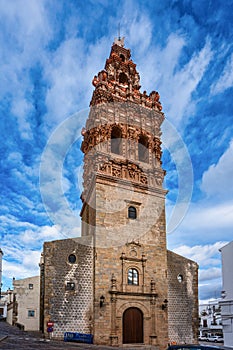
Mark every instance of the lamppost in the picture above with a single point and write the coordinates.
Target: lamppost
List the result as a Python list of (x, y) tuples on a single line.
[(0, 291)]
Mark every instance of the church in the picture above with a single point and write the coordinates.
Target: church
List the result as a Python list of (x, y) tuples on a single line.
[(118, 282)]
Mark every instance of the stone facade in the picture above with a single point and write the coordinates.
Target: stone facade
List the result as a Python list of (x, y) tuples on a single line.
[(68, 286), (183, 315), (123, 276)]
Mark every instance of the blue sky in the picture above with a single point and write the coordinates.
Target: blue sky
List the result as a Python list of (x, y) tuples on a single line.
[(50, 51)]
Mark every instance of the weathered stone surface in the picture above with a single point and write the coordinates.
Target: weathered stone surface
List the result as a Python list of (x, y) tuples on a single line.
[(182, 299), (70, 310)]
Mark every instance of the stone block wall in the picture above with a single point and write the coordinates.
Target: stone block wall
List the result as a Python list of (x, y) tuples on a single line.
[(182, 299), (70, 309), (114, 228)]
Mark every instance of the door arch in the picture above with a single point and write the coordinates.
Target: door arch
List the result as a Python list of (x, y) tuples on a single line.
[(132, 326)]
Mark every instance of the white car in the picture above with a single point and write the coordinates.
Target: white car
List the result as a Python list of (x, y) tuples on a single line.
[(202, 338), (215, 339)]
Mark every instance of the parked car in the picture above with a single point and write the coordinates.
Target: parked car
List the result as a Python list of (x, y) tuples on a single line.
[(215, 339), (202, 338), (194, 347)]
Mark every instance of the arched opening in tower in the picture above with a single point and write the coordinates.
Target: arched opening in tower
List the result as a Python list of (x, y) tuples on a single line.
[(143, 151), (123, 79), (122, 57), (116, 140)]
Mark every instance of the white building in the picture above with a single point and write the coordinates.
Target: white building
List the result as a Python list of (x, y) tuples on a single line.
[(3, 305), (26, 309), (210, 319), (227, 293), (6, 298)]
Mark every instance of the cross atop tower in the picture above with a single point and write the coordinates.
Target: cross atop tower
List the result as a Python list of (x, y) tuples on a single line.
[(119, 41)]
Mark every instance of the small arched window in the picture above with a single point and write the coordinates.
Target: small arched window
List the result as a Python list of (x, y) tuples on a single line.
[(132, 212), (122, 57), (143, 151), (123, 79), (180, 278), (116, 140), (133, 277)]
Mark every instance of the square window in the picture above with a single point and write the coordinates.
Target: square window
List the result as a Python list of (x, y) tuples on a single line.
[(31, 313), (70, 286), (30, 286)]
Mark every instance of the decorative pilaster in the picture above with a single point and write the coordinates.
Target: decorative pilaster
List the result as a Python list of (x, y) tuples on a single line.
[(113, 336), (153, 336)]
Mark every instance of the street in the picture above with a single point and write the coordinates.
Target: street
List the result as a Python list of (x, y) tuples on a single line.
[(13, 338)]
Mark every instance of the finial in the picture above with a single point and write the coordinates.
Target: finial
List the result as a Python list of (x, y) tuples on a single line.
[(119, 41), (119, 31)]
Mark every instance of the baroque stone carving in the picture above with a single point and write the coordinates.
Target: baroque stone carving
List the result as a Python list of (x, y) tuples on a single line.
[(108, 81), (123, 170), (103, 133)]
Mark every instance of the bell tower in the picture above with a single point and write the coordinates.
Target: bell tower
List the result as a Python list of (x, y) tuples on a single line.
[(122, 149), (123, 205)]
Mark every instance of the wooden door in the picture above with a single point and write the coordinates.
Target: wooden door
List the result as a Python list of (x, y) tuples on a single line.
[(132, 326)]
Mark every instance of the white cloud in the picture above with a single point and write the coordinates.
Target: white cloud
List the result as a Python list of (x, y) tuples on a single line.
[(217, 180), (23, 49), (226, 79), (204, 222), (140, 33), (65, 71), (69, 72), (184, 82), (209, 274), (161, 64), (210, 291), (22, 255), (26, 268), (211, 217), (42, 234), (204, 255), (175, 85), (11, 221)]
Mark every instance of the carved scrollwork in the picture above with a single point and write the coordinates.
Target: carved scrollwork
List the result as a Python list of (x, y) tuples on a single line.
[(156, 148), (116, 171), (128, 171), (133, 133), (143, 179)]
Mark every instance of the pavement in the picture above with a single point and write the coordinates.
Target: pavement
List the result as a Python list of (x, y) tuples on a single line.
[(12, 337)]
